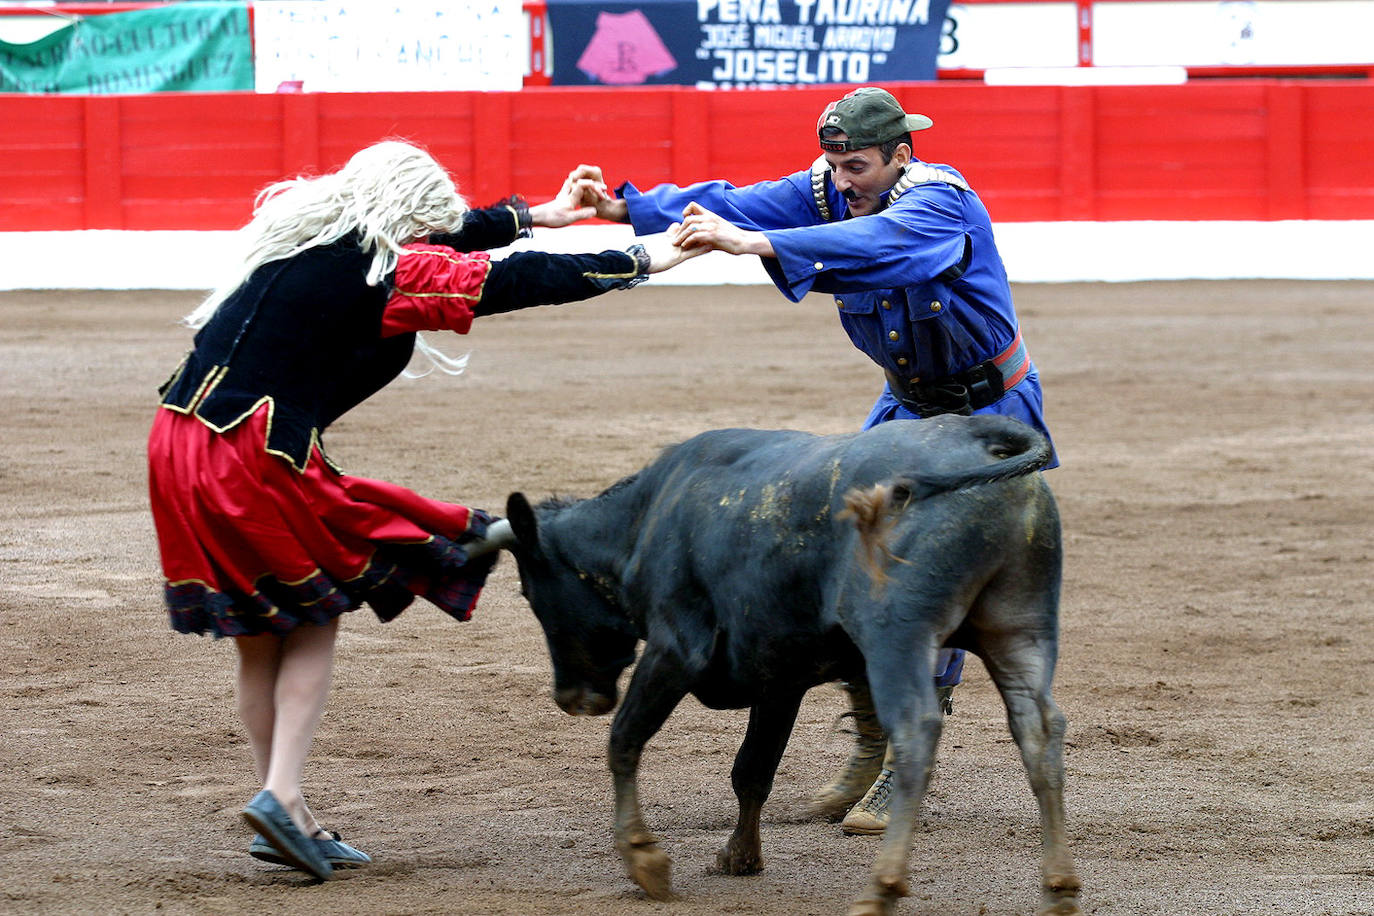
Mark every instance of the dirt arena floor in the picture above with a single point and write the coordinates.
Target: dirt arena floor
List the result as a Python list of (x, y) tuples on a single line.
[(1216, 491)]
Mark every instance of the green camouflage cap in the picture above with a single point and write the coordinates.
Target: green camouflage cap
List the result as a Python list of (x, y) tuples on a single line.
[(869, 117)]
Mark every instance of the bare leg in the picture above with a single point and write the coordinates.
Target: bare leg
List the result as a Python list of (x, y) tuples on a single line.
[(281, 721), (259, 657)]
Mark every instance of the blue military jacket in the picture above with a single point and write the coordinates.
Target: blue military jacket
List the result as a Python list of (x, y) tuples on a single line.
[(919, 285)]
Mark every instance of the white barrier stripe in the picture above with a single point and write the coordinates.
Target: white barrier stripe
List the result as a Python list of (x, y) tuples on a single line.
[(1064, 252)]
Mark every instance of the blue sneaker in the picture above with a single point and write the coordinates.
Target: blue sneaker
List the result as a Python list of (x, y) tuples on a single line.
[(335, 851), (266, 815)]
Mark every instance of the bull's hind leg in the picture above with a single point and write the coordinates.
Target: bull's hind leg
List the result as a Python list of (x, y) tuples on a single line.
[(904, 693), (1022, 665), (770, 725), (655, 690)]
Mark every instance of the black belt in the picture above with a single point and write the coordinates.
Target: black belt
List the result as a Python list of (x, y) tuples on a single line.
[(966, 391)]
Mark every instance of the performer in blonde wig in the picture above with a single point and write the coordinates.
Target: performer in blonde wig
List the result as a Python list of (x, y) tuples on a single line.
[(262, 538)]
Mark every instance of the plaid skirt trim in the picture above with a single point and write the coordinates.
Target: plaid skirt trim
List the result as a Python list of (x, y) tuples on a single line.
[(437, 570)]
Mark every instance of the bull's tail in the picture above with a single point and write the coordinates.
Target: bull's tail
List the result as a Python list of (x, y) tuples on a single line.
[(1019, 450)]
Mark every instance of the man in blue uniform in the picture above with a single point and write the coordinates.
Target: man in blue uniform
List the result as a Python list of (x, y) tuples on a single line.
[(907, 250)]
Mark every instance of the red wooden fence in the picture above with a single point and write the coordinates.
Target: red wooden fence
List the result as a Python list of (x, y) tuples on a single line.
[(1251, 150)]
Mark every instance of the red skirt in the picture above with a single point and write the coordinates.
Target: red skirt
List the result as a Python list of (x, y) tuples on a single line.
[(250, 545)]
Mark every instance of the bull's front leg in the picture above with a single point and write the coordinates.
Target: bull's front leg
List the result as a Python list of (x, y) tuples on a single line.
[(770, 725), (655, 689)]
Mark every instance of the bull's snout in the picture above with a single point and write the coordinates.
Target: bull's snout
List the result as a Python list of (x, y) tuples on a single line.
[(584, 701)]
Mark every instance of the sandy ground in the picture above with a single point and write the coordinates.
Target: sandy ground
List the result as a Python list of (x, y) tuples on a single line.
[(1217, 637)]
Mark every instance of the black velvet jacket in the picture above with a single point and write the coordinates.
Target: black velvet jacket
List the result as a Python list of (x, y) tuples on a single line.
[(304, 334)]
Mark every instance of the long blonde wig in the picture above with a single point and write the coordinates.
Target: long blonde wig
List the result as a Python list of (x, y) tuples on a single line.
[(390, 194)]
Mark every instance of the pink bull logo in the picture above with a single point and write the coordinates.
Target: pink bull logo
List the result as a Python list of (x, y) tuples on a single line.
[(625, 50)]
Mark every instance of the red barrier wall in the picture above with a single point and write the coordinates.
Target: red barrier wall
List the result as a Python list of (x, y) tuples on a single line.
[(1252, 150)]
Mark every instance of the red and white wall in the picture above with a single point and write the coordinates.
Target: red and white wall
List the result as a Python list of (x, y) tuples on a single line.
[(1236, 178), (1212, 177), (1233, 150)]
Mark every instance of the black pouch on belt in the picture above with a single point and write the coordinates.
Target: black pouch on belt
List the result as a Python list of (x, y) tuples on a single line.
[(961, 393)]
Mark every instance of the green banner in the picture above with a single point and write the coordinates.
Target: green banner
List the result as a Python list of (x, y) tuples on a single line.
[(181, 47)]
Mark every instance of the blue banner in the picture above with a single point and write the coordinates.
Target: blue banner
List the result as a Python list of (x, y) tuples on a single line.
[(744, 43)]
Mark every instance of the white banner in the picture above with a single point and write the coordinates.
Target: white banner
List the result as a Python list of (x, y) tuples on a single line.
[(362, 46), (1234, 32), (982, 35), (1149, 33)]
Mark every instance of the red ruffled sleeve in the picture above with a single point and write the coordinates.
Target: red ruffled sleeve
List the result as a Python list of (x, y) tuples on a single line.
[(435, 287)]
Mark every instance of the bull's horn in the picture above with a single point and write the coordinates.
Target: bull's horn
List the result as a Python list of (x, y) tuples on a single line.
[(499, 534)]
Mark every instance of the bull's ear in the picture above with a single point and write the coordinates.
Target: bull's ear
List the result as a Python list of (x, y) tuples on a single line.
[(523, 523)]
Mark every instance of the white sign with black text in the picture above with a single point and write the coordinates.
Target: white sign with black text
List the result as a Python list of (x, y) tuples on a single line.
[(419, 45)]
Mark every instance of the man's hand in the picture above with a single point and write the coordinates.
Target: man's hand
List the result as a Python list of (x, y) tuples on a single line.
[(701, 230), (574, 203), (663, 254), (594, 193)]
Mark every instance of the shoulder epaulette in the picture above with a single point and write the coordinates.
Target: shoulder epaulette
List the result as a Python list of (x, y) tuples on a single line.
[(914, 174), (920, 173), (819, 169)]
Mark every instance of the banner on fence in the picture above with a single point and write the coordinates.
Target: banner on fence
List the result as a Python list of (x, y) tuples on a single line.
[(744, 43), (419, 45), (199, 47)]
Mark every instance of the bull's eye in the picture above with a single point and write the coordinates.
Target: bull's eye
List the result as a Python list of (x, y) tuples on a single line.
[(999, 452)]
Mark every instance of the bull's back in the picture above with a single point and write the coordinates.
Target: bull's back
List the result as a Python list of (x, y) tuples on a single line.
[(762, 510), (790, 477)]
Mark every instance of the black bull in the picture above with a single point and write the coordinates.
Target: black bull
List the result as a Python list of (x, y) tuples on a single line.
[(735, 559)]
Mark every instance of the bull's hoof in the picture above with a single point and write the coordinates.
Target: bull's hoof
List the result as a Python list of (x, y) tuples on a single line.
[(870, 907), (1061, 908), (735, 861), (649, 867), (1060, 895), (884, 893)]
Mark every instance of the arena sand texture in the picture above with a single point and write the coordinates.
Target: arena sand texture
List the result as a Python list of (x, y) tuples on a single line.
[(1217, 638)]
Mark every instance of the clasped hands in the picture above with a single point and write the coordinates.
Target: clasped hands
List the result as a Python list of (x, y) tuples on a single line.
[(584, 194)]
